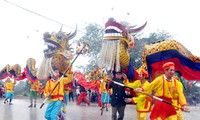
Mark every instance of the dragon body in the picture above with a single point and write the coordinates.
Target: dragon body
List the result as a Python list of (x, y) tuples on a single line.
[(155, 55)]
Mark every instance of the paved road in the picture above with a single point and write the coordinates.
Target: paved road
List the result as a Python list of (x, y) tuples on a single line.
[(20, 111)]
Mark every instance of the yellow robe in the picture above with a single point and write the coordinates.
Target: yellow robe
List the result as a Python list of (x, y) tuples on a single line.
[(58, 93), (176, 101), (9, 86), (143, 105), (34, 85), (103, 88), (167, 89), (163, 88)]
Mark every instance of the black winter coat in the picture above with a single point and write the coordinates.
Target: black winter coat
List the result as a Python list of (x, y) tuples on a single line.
[(118, 94)]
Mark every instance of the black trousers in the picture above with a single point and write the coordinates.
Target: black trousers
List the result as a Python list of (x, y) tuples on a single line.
[(71, 95), (120, 111)]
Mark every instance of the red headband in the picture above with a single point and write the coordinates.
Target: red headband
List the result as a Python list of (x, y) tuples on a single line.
[(168, 65), (145, 73)]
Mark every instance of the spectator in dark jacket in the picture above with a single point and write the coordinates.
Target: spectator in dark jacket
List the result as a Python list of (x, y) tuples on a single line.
[(117, 98)]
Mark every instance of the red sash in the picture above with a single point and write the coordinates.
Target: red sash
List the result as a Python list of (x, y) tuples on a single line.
[(162, 109)]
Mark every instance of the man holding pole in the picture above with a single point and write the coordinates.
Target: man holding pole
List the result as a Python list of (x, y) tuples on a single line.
[(117, 98), (143, 102), (57, 96), (164, 88)]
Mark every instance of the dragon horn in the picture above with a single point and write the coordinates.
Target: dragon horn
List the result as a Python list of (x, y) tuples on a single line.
[(61, 27), (72, 35), (136, 30)]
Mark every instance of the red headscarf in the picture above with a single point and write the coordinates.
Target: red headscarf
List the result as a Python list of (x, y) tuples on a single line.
[(168, 65), (145, 73)]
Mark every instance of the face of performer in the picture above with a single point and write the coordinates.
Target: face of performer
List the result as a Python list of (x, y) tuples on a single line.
[(169, 73), (8, 80), (141, 76), (118, 75), (57, 74), (175, 76)]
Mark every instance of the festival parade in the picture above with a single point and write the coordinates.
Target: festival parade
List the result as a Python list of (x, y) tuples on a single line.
[(100, 72)]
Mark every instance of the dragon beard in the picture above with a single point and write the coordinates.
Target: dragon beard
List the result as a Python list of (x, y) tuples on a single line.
[(113, 55)]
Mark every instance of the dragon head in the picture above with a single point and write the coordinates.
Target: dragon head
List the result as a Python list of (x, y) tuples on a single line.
[(118, 39), (30, 64), (58, 42), (121, 30), (58, 54), (5, 72), (16, 70)]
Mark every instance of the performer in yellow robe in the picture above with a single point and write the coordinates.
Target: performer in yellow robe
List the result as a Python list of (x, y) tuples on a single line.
[(164, 88), (9, 88), (33, 92), (105, 97), (143, 102), (177, 100), (57, 96)]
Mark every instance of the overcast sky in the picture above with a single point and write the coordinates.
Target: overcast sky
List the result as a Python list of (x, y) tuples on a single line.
[(22, 31)]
